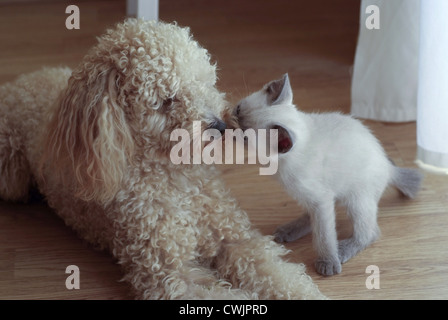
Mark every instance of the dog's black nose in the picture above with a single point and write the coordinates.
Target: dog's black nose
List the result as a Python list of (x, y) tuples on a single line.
[(219, 125)]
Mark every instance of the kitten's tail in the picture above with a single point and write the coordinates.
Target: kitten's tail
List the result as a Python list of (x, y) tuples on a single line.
[(407, 180)]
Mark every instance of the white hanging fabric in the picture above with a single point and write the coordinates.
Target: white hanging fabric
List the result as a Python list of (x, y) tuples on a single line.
[(401, 72), (385, 73), (432, 117)]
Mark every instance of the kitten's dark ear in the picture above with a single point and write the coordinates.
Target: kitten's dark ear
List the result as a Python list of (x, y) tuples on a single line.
[(285, 142), (279, 91)]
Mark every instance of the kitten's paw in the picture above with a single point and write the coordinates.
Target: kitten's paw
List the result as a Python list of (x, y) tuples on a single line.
[(293, 230), (328, 267), (283, 234), (347, 248)]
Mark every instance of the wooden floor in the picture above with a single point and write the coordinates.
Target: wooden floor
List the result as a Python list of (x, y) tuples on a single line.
[(252, 42)]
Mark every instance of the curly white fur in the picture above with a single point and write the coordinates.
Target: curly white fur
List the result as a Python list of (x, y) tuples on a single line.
[(96, 143)]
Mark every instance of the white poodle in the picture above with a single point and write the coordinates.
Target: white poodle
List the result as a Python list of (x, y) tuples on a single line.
[(96, 142)]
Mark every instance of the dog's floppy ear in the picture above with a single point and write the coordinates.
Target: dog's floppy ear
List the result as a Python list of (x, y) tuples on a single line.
[(89, 142), (285, 140), (279, 91)]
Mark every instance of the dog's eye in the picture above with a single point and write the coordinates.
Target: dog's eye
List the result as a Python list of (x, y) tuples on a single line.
[(167, 105)]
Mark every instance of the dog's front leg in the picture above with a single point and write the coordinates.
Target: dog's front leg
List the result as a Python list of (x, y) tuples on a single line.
[(154, 263), (160, 259), (248, 260), (256, 265)]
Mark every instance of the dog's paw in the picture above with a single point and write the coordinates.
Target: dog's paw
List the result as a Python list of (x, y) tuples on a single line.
[(328, 267)]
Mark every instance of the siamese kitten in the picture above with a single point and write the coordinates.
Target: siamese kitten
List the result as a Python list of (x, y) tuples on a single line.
[(324, 159)]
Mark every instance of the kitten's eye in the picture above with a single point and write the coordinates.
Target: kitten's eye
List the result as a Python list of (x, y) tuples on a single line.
[(238, 109)]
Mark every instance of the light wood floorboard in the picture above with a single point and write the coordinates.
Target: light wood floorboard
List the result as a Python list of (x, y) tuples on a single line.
[(252, 42)]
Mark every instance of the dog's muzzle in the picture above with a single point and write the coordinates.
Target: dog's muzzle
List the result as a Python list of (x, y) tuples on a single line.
[(219, 125)]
